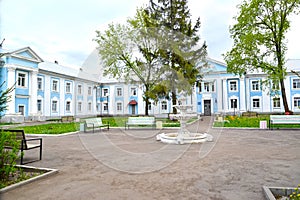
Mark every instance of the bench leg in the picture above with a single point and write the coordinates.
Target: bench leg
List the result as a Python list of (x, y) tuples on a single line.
[(41, 151)]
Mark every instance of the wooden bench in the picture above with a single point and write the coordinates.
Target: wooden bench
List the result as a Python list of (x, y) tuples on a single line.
[(283, 119), (94, 123), (67, 119), (26, 144), (140, 121)]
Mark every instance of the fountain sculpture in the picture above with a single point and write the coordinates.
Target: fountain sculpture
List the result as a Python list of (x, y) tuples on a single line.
[(183, 136)]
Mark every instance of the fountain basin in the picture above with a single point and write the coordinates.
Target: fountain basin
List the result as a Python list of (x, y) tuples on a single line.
[(190, 138)]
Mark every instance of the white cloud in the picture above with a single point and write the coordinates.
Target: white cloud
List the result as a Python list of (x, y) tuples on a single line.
[(63, 30)]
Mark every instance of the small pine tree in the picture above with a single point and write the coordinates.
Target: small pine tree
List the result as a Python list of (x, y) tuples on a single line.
[(4, 98)]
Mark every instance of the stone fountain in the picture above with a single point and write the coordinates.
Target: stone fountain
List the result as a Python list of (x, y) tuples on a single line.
[(183, 136)]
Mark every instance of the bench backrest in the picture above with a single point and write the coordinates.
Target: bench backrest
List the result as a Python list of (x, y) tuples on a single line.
[(93, 121), (141, 120), (289, 119), (20, 136)]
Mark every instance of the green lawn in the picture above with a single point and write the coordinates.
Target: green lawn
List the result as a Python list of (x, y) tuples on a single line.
[(250, 122)]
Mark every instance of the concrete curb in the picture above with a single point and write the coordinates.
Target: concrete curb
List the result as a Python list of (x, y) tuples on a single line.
[(47, 172)]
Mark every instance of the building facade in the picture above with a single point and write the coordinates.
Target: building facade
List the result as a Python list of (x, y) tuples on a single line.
[(45, 90)]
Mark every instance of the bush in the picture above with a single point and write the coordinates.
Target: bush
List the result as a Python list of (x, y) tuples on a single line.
[(8, 157)]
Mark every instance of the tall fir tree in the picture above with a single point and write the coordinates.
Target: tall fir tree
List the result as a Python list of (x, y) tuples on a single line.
[(180, 51)]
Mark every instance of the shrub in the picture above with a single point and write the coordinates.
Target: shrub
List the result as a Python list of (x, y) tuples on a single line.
[(8, 157)]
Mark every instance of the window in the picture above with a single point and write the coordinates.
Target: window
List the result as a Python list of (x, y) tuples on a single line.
[(296, 83), (276, 102), (21, 79), (119, 92), (105, 107), (212, 87), (21, 109), (39, 105), (90, 106), (79, 89), (68, 87), (105, 92), (39, 83), (255, 85), (149, 106), (233, 85), (68, 106), (275, 86), (297, 102), (255, 103), (79, 106), (54, 106), (98, 91), (90, 91), (54, 85), (206, 87), (133, 91), (119, 106), (233, 103), (164, 105)]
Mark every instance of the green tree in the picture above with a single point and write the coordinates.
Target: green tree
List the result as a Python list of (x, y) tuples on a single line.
[(259, 39), (130, 51), (179, 51), (4, 98)]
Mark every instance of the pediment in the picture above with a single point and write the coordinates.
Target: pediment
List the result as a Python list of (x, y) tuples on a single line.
[(27, 54)]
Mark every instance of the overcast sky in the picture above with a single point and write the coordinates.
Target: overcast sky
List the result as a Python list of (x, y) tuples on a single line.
[(64, 30)]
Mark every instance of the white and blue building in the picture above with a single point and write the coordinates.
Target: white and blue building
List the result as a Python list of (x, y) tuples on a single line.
[(45, 90)]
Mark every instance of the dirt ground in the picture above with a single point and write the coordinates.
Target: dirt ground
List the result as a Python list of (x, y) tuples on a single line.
[(131, 164)]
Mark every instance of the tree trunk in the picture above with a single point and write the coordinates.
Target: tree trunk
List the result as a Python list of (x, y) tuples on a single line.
[(283, 95), (146, 106), (174, 101)]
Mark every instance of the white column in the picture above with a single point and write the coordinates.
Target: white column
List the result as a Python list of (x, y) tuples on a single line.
[(225, 95), (242, 95), (33, 94), (11, 74)]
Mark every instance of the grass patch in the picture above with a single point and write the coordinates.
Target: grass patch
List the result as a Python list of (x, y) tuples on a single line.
[(52, 128), (250, 122)]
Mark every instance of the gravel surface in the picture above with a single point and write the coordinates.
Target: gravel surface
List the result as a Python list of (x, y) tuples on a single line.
[(131, 164)]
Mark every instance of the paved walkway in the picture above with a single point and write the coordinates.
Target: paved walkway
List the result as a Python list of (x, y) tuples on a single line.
[(119, 164)]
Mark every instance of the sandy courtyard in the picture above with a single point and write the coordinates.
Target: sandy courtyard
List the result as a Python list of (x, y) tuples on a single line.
[(119, 164)]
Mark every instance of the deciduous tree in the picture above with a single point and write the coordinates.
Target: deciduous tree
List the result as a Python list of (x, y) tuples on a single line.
[(260, 39)]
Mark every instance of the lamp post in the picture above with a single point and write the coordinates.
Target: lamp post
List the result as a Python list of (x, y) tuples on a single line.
[(107, 105), (234, 106)]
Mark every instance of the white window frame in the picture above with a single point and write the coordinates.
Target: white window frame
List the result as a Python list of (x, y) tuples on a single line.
[(55, 85), (119, 106), (105, 92), (54, 106), (105, 106), (230, 83), (39, 105), (22, 79), (150, 106), (119, 92), (296, 83), (233, 103), (276, 103), (79, 106), (89, 106), (79, 89), (296, 100), (255, 85), (68, 106), (254, 107), (24, 109), (89, 90), (133, 91), (68, 87), (164, 106), (40, 81)]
